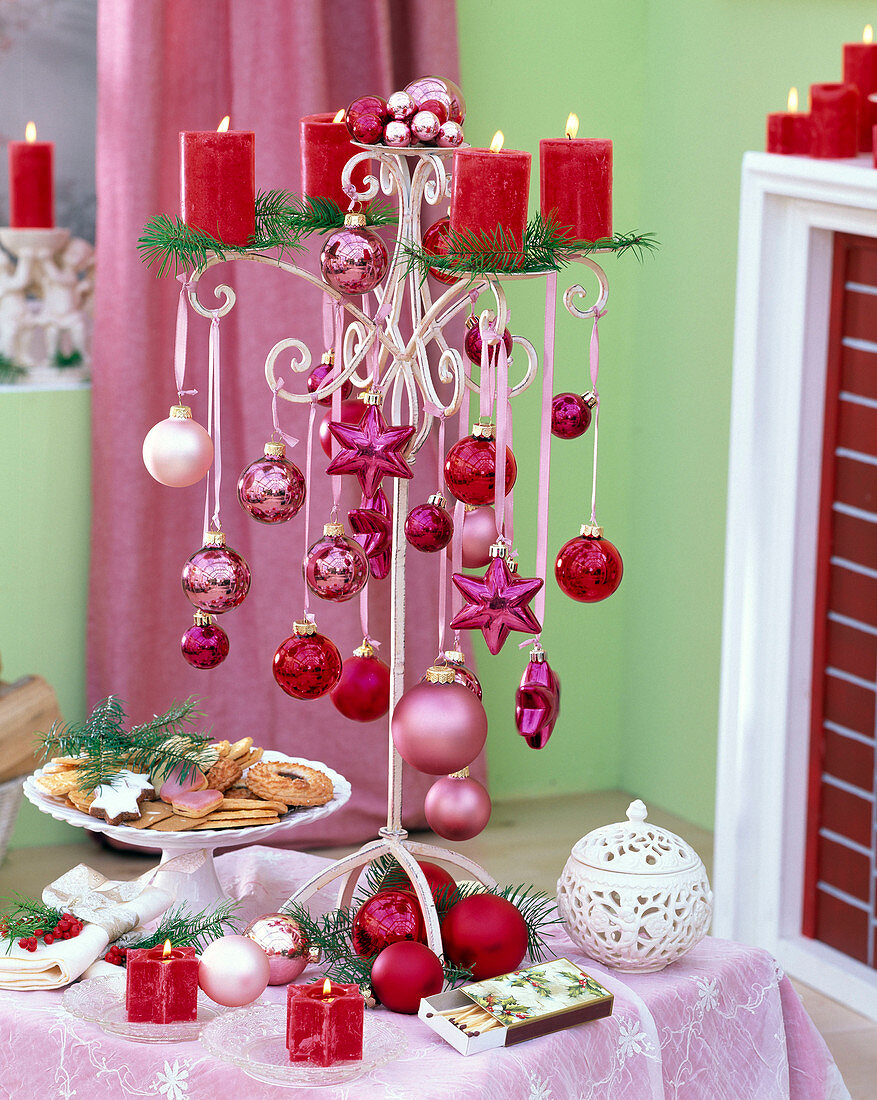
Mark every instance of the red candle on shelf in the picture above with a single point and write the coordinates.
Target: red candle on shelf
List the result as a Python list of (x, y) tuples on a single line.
[(860, 69), (324, 1023), (788, 132), (218, 182), (31, 182), (162, 985), (575, 178), (490, 192), (325, 149), (834, 120)]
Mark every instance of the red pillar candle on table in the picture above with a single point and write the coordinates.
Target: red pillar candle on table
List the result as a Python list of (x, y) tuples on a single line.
[(324, 1023), (31, 182), (860, 69), (490, 192), (325, 149), (834, 121), (575, 178), (788, 132), (218, 183), (162, 985)]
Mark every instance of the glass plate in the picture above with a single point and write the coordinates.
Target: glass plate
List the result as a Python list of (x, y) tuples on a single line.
[(101, 1001), (254, 1040)]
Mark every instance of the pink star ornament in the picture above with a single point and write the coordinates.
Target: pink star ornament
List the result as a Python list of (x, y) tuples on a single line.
[(371, 449), (497, 603)]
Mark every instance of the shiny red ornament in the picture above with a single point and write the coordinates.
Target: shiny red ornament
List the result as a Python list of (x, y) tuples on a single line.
[(352, 412), (365, 105), (371, 449), (472, 343), (496, 604), (307, 665), (570, 415), (335, 566), (429, 527), (470, 467), (363, 692), (439, 726), (372, 527), (216, 578), (537, 701), (457, 807), (388, 916), (367, 129), (319, 376), (204, 645), (486, 934), (403, 974), (272, 489), (435, 243), (354, 259), (589, 568)]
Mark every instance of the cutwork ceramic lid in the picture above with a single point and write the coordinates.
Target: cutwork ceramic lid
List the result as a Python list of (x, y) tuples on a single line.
[(635, 847)]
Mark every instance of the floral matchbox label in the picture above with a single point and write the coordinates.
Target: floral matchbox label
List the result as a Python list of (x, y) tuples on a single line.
[(540, 992)]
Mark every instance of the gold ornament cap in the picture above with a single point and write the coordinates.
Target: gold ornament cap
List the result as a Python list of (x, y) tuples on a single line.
[(333, 530), (590, 399), (440, 674), (463, 773), (356, 221), (215, 538), (371, 397), (537, 654), (437, 499), (202, 618), (471, 321), (498, 550), (274, 449), (512, 564), (591, 531), (364, 650), (455, 657), (328, 357), (483, 431), (304, 627), (180, 412)]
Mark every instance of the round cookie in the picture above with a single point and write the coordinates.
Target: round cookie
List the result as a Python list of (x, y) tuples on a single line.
[(286, 781)]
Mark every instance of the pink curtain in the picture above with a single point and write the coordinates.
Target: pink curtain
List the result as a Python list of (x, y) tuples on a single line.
[(171, 65)]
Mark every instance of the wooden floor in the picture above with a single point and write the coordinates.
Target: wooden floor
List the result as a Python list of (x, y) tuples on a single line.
[(526, 841)]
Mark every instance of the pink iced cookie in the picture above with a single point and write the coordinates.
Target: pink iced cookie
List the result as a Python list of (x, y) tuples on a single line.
[(197, 803), (173, 786)]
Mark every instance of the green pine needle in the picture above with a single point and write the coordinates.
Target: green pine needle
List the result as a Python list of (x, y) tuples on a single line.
[(20, 917), (10, 370), (186, 929)]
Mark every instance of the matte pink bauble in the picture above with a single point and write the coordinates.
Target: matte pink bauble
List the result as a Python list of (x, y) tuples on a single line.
[(457, 807), (363, 692), (450, 135), (397, 135), (285, 945), (233, 971), (319, 376), (479, 534), (204, 645), (404, 973), (435, 243), (354, 259), (178, 451), (216, 578), (589, 567), (429, 527), (335, 567), (425, 127), (352, 412), (570, 416), (307, 665), (439, 727), (470, 468), (272, 489), (472, 343)]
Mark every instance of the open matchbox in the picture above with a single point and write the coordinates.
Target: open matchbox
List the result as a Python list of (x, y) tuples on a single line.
[(527, 1003)]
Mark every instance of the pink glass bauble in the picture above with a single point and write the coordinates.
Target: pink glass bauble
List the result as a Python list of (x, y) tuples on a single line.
[(588, 569), (335, 567), (457, 807), (429, 527), (486, 934), (404, 973), (388, 916), (319, 377), (470, 470), (537, 702), (427, 91), (285, 945), (472, 344), (425, 127), (177, 451), (397, 135), (435, 243), (354, 259), (450, 135), (352, 412), (371, 525), (367, 128), (216, 578), (204, 645), (233, 971), (307, 665), (401, 107), (570, 416), (363, 692), (479, 534), (272, 489), (365, 105), (439, 727), (458, 103)]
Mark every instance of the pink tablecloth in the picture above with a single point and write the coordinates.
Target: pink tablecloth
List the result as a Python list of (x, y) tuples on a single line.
[(722, 1023)]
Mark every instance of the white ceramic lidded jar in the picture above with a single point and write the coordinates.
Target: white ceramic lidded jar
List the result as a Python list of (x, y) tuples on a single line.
[(634, 896)]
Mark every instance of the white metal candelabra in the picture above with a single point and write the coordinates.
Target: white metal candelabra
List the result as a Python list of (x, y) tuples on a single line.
[(412, 175)]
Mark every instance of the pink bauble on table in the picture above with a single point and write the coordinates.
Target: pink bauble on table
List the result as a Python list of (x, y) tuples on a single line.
[(363, 692), (178, 451), (272, 489), (205, 644), (234, 971), (216, 578), (335, 567), (307, 665), (403, 974), (470, 467), (401, 107), (450, 135), (457, 807), (397, 135), (430, 91), (285, 945), (570, 415), (472, 343), (429, 527), (438, 726), (425, 127), (589, 568), (354, 259)]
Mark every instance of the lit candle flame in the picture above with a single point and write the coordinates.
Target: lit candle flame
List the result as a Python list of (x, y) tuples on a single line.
[(339, 116), (868, 33), (497, 143), (166, 950), (572, 125), (793, 99), (30, 132), (327, 988), (222, 128)]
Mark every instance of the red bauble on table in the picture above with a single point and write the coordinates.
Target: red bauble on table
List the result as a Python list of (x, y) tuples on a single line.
[(589, 567), (439, 726), (352, 412), (354, 259), (429, 527), (335, 567), (319, 376), (204, 645), (363, 692), (216, 578), (537, 701), (470, 467), (367, 129), (177, 451), (486, 934), (472, 342), (272, 489), (571, 415), (403, 974), (457, 807), (386, 917), (439, 881), (307, 665), (435, 243)]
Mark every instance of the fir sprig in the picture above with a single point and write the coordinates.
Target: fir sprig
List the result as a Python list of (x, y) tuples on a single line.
[(10, 370), (186, 929), (21, 917)]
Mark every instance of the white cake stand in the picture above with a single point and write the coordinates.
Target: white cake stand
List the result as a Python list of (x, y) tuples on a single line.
[(200, 889)]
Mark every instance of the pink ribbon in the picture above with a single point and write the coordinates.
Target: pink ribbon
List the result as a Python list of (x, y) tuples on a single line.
[(594, 359), (328, 301), (213, 424), (363, 619), (336, 404), (503, 428), (459, 507), (309, 456), (290, 440), (182, 335), (545, 447)]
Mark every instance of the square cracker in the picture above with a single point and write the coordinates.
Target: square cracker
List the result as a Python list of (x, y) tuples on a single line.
[(153, 812)]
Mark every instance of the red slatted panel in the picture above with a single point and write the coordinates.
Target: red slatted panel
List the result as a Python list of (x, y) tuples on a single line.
[(848, 759), (861, 262), (858, 371), (852, 650), (848, 705), (860, 317), (853, 594), (856, 484), (855, 539), (841, 926), (857, 424), (846, 813), (845, 869)]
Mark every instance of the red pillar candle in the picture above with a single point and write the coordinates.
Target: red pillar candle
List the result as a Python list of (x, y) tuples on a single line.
[(860, 69), (162, 985), (834, 120), (325, 149), (490, 192), (788, 132), (218, 183), (324, 1023), (575, 180), (31, 182)]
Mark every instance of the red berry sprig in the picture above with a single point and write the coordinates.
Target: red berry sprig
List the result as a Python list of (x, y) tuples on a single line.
[(67, 928), (116, 955)]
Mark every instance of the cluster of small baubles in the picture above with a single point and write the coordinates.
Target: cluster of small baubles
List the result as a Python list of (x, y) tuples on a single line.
[(589, 567), (428, 111), (571, 414), (307, 665), (429, 527), (354, 259), (335, 567), (272, 489)]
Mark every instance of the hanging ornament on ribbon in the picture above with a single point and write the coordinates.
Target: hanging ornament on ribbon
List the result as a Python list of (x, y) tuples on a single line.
[(456, 661), (457, 807), (537, 700), (354, 259), (372, 527), (363, 692), (216, 578), (322, 373), (272, 489), (307, 665), (473, 342), (372, 450), (335, 567), (497, 603), (205, 644), (470, 467), (429, 527), (439, 726), (571, 414)]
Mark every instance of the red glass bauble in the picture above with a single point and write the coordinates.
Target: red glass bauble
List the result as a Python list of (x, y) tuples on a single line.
[(363, 692), (537, 702), (486, 934), (335, 567), (352, 412), (354, 259), (319, 376), (440, 882), (472, 343), (457, 807), (204, 645), (470, 470), (216, 578), (272, 489), (479, 534), (307, 665), (367, 129), (365, 105), (386, 917), (435, 243), (439, 727), (403, 974), (588, 568), (429, 527), (570, 416)]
